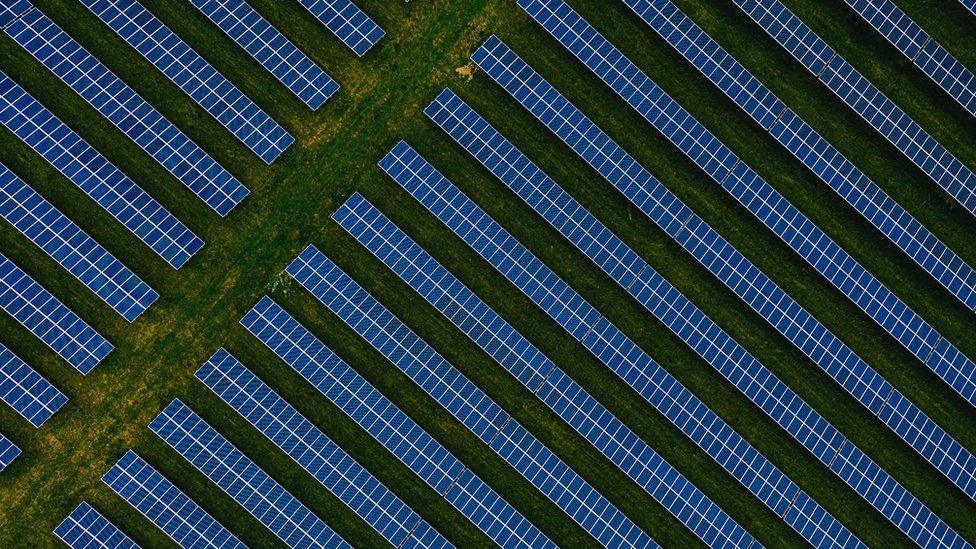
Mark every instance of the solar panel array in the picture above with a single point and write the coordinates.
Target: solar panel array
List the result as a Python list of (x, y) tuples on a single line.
[(181, 64), (322, 458), (613, 348), (271, 49), (612, 255), (356, 30), (540, 375), (8, 452), (392, 428), (129, 112), (234, 473), (79, 254), (86, 528), (865, 98), (166, 506), (49, 320), (920, 48), (95, 175), (804, 143), (970, 5), (465, 401), (26, 391)]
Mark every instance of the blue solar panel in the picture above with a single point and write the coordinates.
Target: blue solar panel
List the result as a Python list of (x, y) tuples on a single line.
[(10, 10), (970, 5), (49, 320), (465, 401), (8, 452), (569, 217), (269, 47), (86, 528), (261, 406), (809, 147), (160, 501), (386, 423), (129, 112), (239, 477), (534, 370), (865, 98), (95, 175), (26, 391), (356, 30), (614, 349), (72, 248), (181, 64)]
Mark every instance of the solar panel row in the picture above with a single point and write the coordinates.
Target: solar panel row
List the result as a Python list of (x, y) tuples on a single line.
[(203, 83), (49, 320), (269, 47), (26, 391), (614, 349), (8, 452), (91, 172), (86, 528), (392, 428), (865, 98), (804, 143), (465, 401), (166, 506), (129, 112), (920, 48), (534, 370), (356, 30), (79, 254), (246, 483), (970, 5), (569, 217), (322, 458)]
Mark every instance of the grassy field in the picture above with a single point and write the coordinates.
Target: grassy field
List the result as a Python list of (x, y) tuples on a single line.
[(335, 154)]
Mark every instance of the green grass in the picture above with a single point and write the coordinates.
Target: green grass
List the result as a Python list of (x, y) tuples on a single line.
[(337, 148)]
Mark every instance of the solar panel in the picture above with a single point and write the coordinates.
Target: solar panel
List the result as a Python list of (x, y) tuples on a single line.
[(386, 423), (465, 401), (322, 458), (166, 506), (10, 10), (181, 64), (234, 473), (49, 320), (804, 143), (969, 5), (271, 49), (26, 391), (129, 112), (609, 345), (72, 248), (86, 528), (95, 175), (920, 48), (8, 452), (612, 255), (356, 30), (534, 370), (864, 98)]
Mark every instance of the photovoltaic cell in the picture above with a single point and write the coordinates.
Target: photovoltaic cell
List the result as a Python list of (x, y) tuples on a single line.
[(864, 98), (238, 476), (322, 458), (465, 401), (970, 5), (86, 528), (609, 345), (534, 370), (386, 423), (612, 255), (269, 47), (356, 30), (8, 452), (49, 320), (95, 175), (129, 112), (166, 506), (26, 391), (72, 248), (11, 10), (181, 64)]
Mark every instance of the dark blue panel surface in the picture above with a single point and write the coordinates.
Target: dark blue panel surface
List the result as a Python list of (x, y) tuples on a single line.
[(8, 452), (86, 528), (26, 391), (356, 30)]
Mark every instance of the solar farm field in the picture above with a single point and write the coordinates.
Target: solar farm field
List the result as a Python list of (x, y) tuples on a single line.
[(534, 339)]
